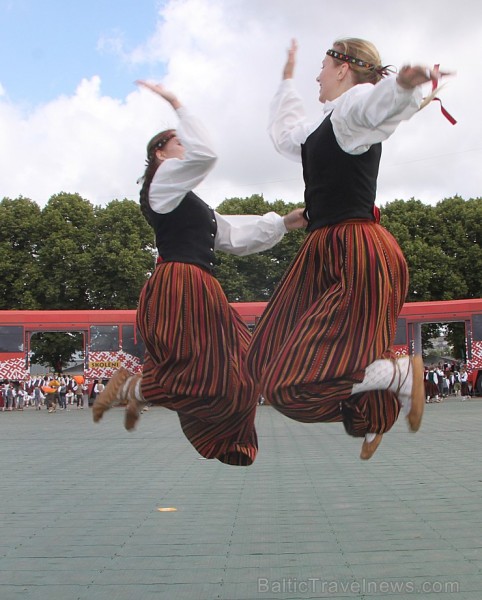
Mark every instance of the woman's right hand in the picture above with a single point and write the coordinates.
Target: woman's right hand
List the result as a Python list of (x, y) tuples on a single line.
[(159, 89), (295, 219), (291, 60)]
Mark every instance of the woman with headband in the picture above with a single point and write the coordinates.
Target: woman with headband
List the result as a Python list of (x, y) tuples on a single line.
[(195, 341), (322, 351)]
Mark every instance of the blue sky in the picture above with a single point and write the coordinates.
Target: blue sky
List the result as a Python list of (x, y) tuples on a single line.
[(52, 44), (67, 91)]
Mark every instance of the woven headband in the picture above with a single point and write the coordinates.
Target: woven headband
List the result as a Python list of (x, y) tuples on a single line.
[(382, 71), (162, 141)]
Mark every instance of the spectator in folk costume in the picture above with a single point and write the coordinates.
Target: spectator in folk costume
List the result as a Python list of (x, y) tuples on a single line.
[(195, 341), (446, 385), (440, 379), (451, 380), (322, 350), (51, 401), (37, 397), (78, 394), (457, 384), (69, 397), (98, 388), (9, 396), (464, 383), (431, 385), (62, 394), (85, 395), (19, 397)]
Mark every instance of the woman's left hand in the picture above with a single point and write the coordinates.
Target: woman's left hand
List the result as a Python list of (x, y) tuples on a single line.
[(410, 77)]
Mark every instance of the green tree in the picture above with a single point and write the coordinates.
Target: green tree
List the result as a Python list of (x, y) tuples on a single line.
[(123, 255), (441, 244), (55, 350), (21, 233), (254, 278), (65, 255), (73, 255), (460, 238), (456, 338), (429, 332)]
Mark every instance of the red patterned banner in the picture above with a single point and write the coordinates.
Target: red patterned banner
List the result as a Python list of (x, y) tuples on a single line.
[(102, 365)]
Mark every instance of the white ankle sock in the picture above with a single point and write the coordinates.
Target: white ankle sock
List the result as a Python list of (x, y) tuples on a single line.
[(138, 391), (385, 374), (135, 381), (378, 376), (124, 390)]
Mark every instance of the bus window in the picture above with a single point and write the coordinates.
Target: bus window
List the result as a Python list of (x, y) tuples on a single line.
[(11, 338), (130, 344), (104, 338), (401, 333), (477, 328)]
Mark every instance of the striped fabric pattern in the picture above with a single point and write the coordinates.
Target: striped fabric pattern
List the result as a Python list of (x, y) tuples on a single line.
[(195, 361), (334, 313)]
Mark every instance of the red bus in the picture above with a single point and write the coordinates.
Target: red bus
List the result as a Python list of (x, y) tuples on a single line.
[(408, 338), (111, 338)]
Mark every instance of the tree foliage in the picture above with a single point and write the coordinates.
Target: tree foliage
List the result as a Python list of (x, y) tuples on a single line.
[(21, 274), (442, 245), (74, 255), (55, 350), (443, 248), (253, 278), (65, 254), (122, 255)]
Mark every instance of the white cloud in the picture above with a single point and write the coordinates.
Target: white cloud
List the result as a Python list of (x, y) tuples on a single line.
[(112, 43), (224, 60)]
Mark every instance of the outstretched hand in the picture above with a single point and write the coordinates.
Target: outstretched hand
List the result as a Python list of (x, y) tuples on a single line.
[(295, 219), (159, 89), (291, 60), (410, 77)]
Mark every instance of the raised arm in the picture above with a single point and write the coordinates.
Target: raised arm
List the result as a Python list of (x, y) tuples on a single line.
[(367, 114), (288, 127), (289, 67), (175, 176), (410, 77), (160, 90)]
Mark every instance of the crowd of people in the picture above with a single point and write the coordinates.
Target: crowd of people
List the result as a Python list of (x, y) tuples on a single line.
[(441, 381), (444, 380), (51, 392)]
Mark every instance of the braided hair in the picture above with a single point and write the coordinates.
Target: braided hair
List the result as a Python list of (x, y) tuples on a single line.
[(152, 164)]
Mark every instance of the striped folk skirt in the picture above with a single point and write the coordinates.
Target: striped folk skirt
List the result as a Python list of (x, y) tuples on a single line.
[(195, 361), (334, 312)]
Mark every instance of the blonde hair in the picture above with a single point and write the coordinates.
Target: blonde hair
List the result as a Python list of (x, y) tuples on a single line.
[(364, 51)]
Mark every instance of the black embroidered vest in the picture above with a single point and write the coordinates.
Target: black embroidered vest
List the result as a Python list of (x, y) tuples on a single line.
[(187, 233), (338, 186)]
